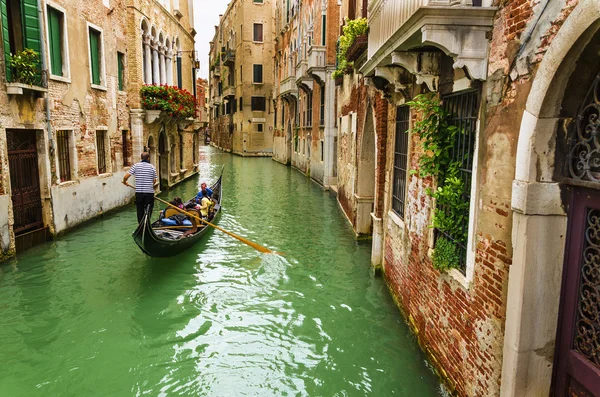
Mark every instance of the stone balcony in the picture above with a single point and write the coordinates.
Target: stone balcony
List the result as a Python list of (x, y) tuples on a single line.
[(456, 27), (317, 62), (288, 86), (303, 79), (229, 91)]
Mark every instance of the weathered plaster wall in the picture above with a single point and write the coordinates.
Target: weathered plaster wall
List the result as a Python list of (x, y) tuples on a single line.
[(77, 203), (5, 218)]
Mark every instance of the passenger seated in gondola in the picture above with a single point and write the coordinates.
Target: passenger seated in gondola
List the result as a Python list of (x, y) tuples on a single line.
[(202, 188), (205, 205)]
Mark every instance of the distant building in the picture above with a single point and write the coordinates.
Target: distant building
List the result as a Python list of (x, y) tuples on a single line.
[(241, 79), (305, 130), (201, 124)]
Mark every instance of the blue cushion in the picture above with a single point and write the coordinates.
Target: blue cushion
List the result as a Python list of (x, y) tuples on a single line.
[(187, 223), (168, 222)]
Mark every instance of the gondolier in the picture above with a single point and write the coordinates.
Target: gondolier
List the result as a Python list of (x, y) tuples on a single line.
[(145, 179)]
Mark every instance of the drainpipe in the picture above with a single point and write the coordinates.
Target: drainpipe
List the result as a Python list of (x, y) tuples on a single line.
[(45, 74)]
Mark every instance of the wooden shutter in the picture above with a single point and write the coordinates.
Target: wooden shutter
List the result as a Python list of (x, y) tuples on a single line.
[(120, 67), (55, 40), (258, 74), (95, 56), (31, 25), (6, 40)]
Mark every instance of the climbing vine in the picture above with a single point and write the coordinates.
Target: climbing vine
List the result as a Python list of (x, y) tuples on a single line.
[(438, 137), (351, 30)]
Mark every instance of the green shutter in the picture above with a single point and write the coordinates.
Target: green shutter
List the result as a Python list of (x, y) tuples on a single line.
[(31, 30), (5, 39), (55, 40), (120, 69), (95, 56)]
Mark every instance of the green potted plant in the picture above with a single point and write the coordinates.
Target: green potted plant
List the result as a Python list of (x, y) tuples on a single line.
[(25, 65)]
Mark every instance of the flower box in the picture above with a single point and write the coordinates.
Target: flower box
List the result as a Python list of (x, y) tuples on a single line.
[(357, 48), (18, 88)]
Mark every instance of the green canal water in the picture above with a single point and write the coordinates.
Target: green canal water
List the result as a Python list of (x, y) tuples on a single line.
[(90, 315)]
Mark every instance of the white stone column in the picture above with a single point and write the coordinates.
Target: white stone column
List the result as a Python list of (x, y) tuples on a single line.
[(163, 73), (148, 60), (170, 67), (137, 133), (155, 65), (330, 133)]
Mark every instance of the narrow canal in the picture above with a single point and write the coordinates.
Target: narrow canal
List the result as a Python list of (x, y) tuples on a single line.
[(90, 315)]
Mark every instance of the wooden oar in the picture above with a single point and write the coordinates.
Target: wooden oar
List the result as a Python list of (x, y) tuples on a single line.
[(252, 244)]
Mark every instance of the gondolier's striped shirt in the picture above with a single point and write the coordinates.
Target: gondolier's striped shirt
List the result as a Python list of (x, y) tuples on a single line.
[(145, 174)]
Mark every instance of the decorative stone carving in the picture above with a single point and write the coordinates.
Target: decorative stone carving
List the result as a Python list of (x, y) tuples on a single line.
[(424, 65), (466, 44)]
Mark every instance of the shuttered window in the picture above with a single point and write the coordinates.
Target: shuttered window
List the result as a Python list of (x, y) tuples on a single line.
[(95, 55), (179, 73), (121, 70), (19, 31), (259, 103), (64, 158), (258, 74), (55, 39), (258, 32)]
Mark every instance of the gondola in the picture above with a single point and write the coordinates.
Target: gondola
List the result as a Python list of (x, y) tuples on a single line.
[(159, 242)]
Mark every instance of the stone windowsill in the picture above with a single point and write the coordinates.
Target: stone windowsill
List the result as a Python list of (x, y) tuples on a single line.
[(460, 278), (105, 175), (174, 174), (17, 88), (396, 219), (62, 79), (99, 87), (67, 183), (183, 171)]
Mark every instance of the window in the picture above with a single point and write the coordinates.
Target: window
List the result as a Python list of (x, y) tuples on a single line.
[(324, 30), (195, 149), (56, 42), (322, 107), (275, 116), (400, 159), (125, 143), (322, 151), (180, 151), (180, 73), (257, 1), (101, 150), (258, 74), (309, 113), (463, 107), (259, 127), (258, 103), (95, 41), (241, 104), (258, 32), (121, 70), (64, 155), (241, 75), (20, 30)]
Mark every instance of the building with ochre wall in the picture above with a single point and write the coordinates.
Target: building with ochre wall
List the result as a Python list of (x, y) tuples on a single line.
[(241, 79)]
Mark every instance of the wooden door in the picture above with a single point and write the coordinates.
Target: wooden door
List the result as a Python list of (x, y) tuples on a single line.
[(577, 361), (24, 180)]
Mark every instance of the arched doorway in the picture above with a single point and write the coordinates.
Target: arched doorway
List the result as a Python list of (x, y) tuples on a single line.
[(163, 160), (555, 198), (365, 187)]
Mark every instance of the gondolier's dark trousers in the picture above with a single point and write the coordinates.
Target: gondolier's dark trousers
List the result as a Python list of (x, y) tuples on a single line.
[(143, 200)]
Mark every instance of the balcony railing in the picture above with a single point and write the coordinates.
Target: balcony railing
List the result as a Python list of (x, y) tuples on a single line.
[(229, 91), (316, 58), (288, 86), (228, 57)]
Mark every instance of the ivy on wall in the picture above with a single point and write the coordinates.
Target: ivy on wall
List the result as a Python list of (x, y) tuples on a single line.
[(438, 137)]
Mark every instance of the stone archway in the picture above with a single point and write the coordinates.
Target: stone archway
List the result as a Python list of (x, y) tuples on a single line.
[(151, 148), (365, 186), (539, 200)]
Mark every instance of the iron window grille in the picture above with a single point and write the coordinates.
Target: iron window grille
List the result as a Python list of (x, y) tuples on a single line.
[(64, 156), (400, 159), (463, 107), (100, 147)]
